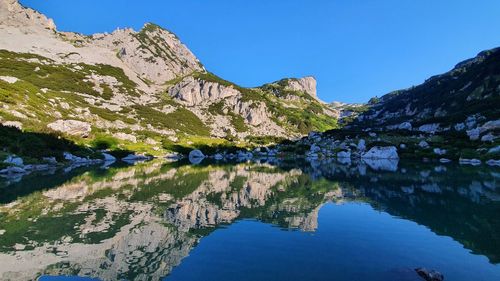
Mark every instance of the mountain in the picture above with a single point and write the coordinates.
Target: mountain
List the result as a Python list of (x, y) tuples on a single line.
[(465, 98), (140, 90), (454, 116)]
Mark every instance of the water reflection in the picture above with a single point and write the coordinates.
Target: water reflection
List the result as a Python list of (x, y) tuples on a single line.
[(139, 222)]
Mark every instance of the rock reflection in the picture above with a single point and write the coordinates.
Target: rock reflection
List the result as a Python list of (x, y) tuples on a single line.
[(139, 222)]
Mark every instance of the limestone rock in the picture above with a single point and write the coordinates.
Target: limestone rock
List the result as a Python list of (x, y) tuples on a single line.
[(71, 127), (429, 275), (9, 79), (379, 152), (15, 124), (191, 91), (305, 84)]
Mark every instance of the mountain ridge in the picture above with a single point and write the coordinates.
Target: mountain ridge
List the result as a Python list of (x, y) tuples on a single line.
[(144, 89)]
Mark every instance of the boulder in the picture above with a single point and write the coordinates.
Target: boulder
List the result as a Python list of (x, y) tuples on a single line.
[(429, 128), (423, 144), (405, 126), (50, 160), (218, 156), (488, 138), (14, 160), (474, 134), (439, 151), (380, 152), (429, 275), (444, 160), (459, 127), (15, 124), (71, 127), (9, 79), (494, 150)]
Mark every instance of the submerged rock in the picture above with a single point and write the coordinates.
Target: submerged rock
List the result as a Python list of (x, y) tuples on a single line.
[(429, 275)]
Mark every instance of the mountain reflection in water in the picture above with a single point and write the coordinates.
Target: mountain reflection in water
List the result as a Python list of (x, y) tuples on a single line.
[(139, 222)]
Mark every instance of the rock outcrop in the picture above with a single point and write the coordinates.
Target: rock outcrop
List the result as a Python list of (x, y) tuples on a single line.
[(71, 127), (197, 92), (305, 84)]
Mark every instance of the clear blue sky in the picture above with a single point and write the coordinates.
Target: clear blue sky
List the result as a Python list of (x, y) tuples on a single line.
[(356, 49)]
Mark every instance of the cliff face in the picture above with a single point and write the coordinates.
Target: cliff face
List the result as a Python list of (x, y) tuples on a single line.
[(137, 86)]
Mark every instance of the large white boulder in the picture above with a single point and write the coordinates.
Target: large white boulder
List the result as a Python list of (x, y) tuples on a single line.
[(381, 152)]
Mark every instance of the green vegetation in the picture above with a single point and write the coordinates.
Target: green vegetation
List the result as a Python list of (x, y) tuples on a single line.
[(30, 145), (181, 120)]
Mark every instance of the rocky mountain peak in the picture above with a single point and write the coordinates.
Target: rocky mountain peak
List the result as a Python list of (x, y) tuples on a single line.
[(14, 14), (154, 53), (306, 84)]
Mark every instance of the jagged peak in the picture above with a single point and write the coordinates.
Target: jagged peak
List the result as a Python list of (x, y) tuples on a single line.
[(15, 14)]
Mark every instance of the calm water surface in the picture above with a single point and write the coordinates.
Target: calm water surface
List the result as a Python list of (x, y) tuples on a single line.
[(286, 221)]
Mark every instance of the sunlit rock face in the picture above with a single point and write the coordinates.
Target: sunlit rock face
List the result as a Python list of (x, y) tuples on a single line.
[(305, 84)]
